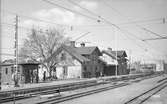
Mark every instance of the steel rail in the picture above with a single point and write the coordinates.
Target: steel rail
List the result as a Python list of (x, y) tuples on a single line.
[(67, 87), (146, 95), (69, 97)]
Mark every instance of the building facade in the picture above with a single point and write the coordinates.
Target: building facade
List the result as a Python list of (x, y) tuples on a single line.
[(116, 62)]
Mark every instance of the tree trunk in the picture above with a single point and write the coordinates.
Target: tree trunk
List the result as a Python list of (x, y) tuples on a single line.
[(50, 72)]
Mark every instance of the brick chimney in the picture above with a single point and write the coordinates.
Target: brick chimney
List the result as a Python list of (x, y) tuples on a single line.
[(82, 44), (72, 43)]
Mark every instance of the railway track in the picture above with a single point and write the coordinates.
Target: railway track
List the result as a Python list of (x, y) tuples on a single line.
[(45, 92), (146, 95), (23, 94), (81, 94)]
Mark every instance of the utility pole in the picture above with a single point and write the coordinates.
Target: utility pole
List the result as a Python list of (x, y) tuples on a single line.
[(116, 69), (0, 39), (130, 61), (16, 52)]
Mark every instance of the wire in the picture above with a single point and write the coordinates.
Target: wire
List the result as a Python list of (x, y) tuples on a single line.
[(106, 21), (135, 24), (76, 12), (8, 54), (23, 27), (155, 38), (110, 23), (6, 48), (143, 28), (148, 20), (102, 18), (82, 36), (83, 8), (32, 18), (153, 33)]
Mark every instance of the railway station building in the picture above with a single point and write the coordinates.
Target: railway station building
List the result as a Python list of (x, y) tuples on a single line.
[(77, 62)]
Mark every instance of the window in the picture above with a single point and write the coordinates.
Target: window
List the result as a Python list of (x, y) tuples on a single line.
[(85, 68), (6, 70), (63, 56), (12, 69)]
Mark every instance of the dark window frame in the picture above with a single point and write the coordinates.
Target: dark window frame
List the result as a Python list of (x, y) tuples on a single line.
[(6, 70)]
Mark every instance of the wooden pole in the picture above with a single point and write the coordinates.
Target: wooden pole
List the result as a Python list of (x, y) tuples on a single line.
[(0, 40), (16, 52)]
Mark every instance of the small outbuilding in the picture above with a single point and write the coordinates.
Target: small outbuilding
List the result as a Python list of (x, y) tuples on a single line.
[(27, 72)]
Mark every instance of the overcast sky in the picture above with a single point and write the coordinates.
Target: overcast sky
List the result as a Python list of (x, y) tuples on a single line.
[(147, 13)]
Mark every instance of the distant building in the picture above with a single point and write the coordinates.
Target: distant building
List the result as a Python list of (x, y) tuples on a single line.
[(160, 65), (28, 72), (148, 67), (77, 62), (135, 67), (115, 60), (165, 68)]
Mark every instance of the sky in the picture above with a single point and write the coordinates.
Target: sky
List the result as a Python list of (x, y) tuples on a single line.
[(148, 14)]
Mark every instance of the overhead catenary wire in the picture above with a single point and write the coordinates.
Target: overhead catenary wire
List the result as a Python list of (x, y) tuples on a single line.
[(49, 22), (143, 28), (114, 25), (156, 34), (111, 24), (155, 38), (70, 10), (105, 20), (33, 18)]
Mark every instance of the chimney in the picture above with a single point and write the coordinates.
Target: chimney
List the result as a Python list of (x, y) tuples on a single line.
[(110, 49), (72, 43), (82, 44)]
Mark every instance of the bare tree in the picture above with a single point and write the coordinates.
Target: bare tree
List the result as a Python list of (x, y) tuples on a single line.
[(40, 45)]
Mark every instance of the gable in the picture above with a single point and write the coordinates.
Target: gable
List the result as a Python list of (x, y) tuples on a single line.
[(119, 53)]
